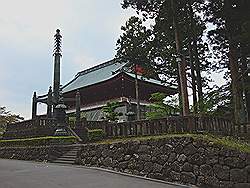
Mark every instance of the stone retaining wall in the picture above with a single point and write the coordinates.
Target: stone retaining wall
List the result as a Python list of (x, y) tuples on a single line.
[(42, 153), (183, 160)]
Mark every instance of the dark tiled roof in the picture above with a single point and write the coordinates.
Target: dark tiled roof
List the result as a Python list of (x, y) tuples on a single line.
[(101, 73)]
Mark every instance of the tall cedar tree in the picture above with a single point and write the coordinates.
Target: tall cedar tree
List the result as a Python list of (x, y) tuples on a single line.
[(191, 29), (230, 40)]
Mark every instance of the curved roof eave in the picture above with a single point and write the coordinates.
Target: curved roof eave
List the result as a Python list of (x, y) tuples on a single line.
[(101, 73)]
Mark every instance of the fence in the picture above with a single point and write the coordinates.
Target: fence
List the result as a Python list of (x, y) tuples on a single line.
[(30, 128), (189, 124), (89, 124), (176, 124)]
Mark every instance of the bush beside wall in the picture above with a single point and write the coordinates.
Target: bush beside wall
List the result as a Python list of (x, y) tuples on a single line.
[(50, 140), (96, 134)]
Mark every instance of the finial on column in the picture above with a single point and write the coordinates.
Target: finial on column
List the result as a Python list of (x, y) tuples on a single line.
[(58, 42), (34, 106), (34, 95)]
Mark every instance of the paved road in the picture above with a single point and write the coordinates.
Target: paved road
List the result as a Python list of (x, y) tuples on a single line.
[(24, 174)]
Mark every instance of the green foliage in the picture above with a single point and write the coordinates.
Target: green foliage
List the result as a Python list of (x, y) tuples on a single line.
[(40, 141), (161, 107), (135, 47), (96, 134), (217, 102), (159, 45), (109, 111), (6, 117)]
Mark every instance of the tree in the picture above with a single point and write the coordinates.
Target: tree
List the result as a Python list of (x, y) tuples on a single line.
[(133, 47), (110, 113), (177, 31), (231, 44), (161, 107), (217, 102), (6, 117)]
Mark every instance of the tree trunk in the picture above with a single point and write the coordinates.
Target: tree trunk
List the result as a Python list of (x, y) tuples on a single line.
[(137, 96), (234, 70), (192, 67), (196, 56), (233, 65), (181, 65), (198, 74), (245, 82), (179, 92)]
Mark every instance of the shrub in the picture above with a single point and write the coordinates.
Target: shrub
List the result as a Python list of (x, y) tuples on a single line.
[(40, 141), (96, 134)]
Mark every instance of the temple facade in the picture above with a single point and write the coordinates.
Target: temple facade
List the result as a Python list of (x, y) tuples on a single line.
[(91, 89), (111, 81)]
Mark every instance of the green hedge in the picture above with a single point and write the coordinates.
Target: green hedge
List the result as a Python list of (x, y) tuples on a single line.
[(96, 134), (40, 141)]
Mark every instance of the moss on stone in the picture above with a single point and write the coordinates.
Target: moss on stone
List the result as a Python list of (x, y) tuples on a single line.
[(228, 142), (39, 141)]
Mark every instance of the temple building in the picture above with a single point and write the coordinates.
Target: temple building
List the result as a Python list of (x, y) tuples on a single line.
[(111, 81)]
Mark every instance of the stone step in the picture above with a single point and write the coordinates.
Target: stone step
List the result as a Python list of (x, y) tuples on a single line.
[(64, 162), (74, 149), (68, 157), (65, 159), (70, 152)]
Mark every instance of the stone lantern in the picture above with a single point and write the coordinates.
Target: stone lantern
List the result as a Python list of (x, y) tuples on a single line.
[(60, 116)]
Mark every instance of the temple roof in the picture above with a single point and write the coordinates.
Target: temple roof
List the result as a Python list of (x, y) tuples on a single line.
[(100, 73)]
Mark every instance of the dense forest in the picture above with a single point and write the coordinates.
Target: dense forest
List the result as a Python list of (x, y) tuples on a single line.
[(183, 42)]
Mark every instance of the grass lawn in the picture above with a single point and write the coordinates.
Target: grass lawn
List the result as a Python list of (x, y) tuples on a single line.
[(227, 142), (39, 141)]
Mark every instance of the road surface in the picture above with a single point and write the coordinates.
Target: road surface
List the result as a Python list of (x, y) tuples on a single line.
[(24, 174)]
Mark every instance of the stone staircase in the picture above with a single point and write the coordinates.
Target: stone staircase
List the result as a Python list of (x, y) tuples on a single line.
[(69, 157)]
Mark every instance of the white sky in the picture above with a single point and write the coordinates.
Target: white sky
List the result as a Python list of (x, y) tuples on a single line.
[(90, 29)]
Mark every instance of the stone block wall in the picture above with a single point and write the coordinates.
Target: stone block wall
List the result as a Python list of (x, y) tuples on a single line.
[(182, 160), (41, 153)]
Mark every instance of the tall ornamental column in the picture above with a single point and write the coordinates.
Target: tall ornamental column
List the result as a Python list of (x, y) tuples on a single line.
[(57, 58)]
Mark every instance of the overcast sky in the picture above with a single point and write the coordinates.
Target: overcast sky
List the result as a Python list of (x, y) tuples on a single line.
[(90, 29)]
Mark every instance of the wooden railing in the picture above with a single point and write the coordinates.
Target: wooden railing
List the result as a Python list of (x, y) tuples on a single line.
[(174, 124), (30, 128), (178, 124), (89, 124)]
